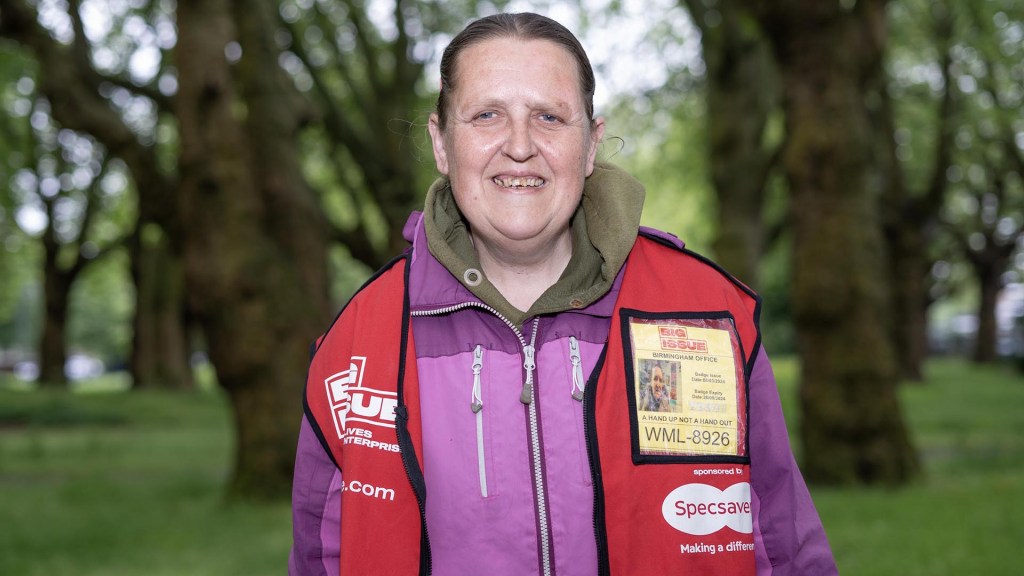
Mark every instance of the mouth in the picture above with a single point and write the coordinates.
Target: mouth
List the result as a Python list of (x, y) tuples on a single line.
[(519, 182)]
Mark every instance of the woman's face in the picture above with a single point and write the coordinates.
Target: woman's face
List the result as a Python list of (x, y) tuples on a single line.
[(518, 143), (658, 382)]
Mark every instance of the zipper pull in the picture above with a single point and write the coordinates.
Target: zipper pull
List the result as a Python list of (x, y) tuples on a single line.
[(577, 368), (476, 403), (526, 396)]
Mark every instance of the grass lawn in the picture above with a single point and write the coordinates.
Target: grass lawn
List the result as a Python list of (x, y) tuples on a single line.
[(116, 483), (965, 515)]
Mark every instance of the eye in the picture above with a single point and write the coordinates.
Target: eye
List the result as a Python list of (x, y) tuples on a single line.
[(549, 118), (485, 115)]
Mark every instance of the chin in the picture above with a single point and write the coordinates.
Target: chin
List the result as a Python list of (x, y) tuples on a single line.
[(519, 234)]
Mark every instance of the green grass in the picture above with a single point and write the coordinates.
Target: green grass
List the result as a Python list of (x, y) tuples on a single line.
[(965, 515), (114, 483), (120, 483)]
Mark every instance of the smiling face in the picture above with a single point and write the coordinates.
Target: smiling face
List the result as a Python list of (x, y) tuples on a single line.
[(658, 383), (518, 143)]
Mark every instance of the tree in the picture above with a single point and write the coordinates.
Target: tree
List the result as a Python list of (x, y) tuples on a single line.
[(910, 212), (743, 92), (986, 215), (360, 84), (830, 60), (256, 251), (105, 104), (19, 256), (63, 179), (254, 255)]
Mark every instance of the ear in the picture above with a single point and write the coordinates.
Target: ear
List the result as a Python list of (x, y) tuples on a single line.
[(596, 134), (437, 140)]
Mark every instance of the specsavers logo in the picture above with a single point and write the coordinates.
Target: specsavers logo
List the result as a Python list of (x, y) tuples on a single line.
[(700, 509), (354, 406)]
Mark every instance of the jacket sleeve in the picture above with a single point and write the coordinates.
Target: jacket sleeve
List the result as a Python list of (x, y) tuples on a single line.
[(316, 509), (788, 534)]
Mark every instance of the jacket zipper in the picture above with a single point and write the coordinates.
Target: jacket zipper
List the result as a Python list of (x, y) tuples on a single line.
[(577, 368), (476, 404), (526, 397), (590, 434)]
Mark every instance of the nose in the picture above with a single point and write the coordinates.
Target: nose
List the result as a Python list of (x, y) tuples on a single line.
[(519, 144)]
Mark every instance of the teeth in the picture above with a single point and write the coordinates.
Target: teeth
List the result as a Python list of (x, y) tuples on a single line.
[(519, 182)]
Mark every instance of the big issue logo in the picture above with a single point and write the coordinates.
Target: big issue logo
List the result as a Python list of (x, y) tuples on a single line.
[(351, 402), (700, 509), (676, 338)]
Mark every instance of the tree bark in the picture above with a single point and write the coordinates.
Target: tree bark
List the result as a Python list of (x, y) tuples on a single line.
[(985, 345), (851, 426), (743, 91), (53, 348), (989, 263), (255, 254), (910, 268), (160, 343)]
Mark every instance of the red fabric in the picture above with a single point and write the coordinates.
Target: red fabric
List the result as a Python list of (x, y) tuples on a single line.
[(381, 535), (639, 539), (380, 524)]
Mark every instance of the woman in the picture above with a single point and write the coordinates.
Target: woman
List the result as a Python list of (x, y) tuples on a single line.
[(474, 408), (655, 397)]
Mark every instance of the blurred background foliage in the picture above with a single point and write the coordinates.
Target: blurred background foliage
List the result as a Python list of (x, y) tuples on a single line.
[(190, 190)]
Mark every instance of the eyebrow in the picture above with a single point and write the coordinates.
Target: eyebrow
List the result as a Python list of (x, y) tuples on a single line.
[(558, 106)]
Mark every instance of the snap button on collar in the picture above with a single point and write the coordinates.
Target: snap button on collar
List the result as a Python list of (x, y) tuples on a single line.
[(472, 277)]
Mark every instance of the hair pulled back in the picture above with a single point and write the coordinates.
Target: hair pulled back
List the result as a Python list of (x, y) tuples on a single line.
[(522, 26)]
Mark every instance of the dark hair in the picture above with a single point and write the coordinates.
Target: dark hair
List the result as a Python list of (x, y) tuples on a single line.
[(523, 26)]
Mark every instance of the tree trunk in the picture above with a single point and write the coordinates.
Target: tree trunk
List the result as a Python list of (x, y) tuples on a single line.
[(160, 345), (255, 254), (907, 222), (53, 351), (989, 284), (851, 426), (910, 270), (911, 219), (738, 57)]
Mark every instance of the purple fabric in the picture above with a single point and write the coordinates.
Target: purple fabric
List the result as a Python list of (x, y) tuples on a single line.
[(458, 515), (316, 509), (496, 534), (670, 237), (788, 525)]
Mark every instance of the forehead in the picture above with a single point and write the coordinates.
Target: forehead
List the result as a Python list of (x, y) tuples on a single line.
[(516, 60)]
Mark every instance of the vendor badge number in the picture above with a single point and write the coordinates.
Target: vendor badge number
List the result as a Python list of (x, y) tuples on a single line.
[(687, 386)]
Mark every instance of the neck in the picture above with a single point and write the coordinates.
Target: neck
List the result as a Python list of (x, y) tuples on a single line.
[(522, 275)]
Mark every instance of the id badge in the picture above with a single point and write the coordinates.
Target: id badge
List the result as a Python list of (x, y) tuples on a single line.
[(687, 387)]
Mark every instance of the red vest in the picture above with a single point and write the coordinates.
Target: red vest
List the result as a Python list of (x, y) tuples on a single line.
[(672, 488)]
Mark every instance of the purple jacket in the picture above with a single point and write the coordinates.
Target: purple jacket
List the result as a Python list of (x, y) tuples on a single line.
[(481, 513)]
